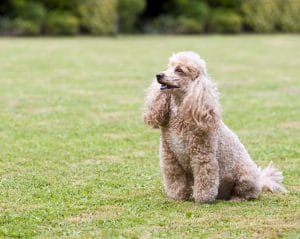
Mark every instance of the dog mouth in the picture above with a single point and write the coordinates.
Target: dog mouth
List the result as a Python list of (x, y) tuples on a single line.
[(165, 86)]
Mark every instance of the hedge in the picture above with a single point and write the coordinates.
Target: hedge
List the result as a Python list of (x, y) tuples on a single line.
[(61, 23), (98, 17), (109, 17), (225, 21), (128, 12)]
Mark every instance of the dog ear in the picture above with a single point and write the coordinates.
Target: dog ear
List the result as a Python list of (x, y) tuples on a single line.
[(157, 106), (201, 104)]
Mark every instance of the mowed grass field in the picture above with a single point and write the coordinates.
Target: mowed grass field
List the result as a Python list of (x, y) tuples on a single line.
[(76, 160)]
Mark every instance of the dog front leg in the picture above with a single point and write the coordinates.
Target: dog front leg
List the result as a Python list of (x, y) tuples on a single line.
[(206, 178), (177, 184)]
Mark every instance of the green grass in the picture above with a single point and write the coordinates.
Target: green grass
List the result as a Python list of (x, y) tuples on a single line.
[(77, 161)]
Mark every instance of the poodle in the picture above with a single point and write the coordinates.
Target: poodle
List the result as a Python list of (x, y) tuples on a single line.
[(200, 157)]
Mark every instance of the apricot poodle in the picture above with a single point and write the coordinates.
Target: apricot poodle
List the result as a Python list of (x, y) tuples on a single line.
[(200, 157)]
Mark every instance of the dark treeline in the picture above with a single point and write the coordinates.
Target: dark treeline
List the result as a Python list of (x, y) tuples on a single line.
[(109, 17)]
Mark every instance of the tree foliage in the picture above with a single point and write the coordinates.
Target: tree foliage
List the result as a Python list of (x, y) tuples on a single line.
[(107, 17)]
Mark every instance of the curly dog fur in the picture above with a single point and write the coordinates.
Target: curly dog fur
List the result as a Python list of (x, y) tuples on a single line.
[(200, 157)]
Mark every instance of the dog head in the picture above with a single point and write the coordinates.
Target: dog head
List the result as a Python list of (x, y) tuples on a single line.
[(183, 69), (186, 78)]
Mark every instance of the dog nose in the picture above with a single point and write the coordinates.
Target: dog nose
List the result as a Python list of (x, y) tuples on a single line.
[(159, 76)]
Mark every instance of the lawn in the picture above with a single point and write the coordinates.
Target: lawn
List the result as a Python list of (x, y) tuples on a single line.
[(77, 161)]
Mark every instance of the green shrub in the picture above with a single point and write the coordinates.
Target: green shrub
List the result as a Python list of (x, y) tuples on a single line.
[(172, 25), (228, 4), (18, 27), (161, 24), (189, 25), (260, 15), (25, 17), (98, 17), (225, 21), (61, 23), (5, 25), (24, 27), (289, 19), (62, 5), (185, 17), (128, 11), (33, 11), (29, 10), (192, 9)]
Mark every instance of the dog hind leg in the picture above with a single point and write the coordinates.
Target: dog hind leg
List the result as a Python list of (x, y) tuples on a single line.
[(246, 188)]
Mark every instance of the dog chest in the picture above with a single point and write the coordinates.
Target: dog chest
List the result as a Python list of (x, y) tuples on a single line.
[(179, 147)]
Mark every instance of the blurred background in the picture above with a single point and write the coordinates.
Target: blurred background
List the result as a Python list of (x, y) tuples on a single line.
[(111, 17)]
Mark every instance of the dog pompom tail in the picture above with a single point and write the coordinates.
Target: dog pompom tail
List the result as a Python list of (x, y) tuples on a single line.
[(271, 179)]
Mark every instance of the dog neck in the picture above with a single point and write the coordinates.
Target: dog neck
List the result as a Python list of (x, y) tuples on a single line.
[(177, 99)]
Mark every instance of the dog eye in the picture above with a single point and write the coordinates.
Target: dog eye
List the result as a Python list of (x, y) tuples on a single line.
[(179, 70)]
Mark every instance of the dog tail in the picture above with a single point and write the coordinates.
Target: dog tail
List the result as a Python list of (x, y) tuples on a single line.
[(271, 179)]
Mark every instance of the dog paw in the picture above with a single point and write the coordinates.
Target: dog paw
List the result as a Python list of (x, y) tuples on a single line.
[(204, 198), (180, 194), (236, 199)]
